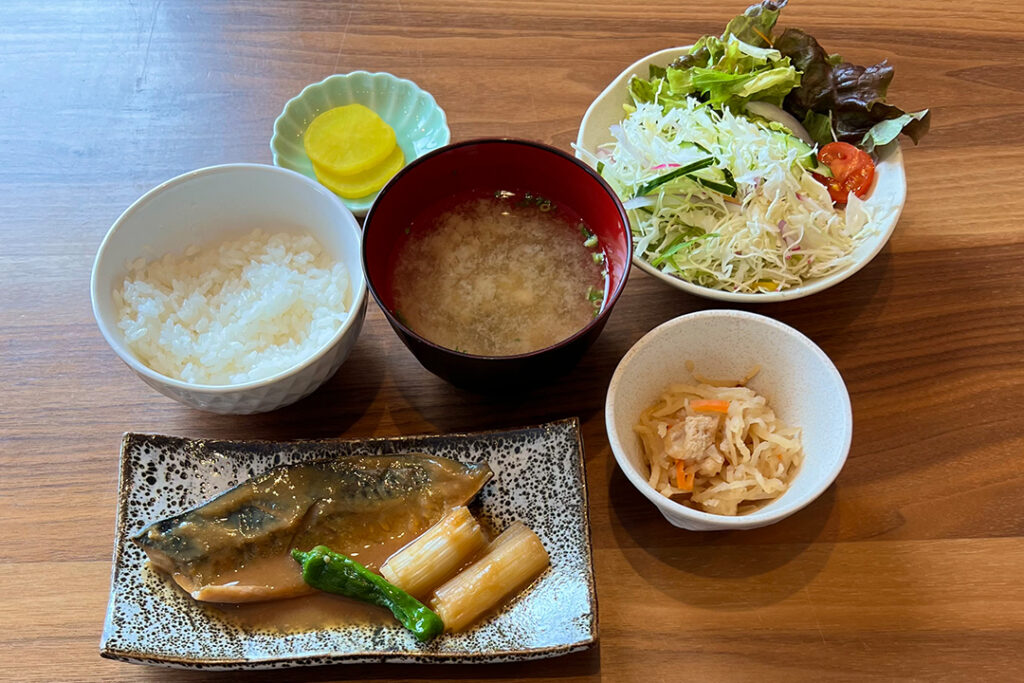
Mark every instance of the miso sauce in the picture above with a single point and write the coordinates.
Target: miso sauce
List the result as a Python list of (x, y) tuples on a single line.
[(307, 613), (498, 274), (318, 610)]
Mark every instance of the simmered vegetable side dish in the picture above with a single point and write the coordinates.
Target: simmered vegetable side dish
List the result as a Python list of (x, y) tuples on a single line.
[(745, 161), (718, 447)]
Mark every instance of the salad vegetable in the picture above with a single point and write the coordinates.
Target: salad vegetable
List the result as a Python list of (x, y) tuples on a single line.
[(718, 159), (833, 99), (851, 97), (725, 201), (852, 170)]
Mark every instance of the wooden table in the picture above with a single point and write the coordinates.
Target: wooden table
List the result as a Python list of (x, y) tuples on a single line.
[(909, 567)]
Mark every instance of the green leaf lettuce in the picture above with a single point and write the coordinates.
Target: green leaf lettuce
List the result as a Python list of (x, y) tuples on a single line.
[(834, 99), (727, 72)]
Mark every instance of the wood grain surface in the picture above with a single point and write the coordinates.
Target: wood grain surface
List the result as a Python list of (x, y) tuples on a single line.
[(909, 567)]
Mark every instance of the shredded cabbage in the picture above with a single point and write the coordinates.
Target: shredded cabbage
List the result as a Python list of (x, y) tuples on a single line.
[(778, 229)]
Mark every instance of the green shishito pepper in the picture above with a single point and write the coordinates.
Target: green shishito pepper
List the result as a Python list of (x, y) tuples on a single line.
[(326, 570)]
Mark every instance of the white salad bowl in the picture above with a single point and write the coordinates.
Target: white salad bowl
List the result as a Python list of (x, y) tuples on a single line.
[(210, 205), (886, 197), (799, 381)]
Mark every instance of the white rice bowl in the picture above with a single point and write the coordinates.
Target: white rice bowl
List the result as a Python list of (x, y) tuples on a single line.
[(288, 309)]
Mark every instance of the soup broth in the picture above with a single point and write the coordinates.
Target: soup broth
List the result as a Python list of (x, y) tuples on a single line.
[(499, 274)]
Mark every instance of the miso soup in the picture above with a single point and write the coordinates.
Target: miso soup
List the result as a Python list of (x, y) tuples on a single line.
[(499, 274)]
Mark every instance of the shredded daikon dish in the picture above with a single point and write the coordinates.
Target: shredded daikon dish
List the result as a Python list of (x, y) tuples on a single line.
[(726, 200), (719, 449)]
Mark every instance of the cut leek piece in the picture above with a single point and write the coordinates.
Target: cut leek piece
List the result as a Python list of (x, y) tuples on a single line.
[(440, 551), (514, 558)]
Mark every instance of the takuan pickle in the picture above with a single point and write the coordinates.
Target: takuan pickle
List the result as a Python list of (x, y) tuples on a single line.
[(354, 152)]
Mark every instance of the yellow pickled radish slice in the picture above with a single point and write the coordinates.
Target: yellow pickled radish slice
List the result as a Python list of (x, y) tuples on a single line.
[(348, 140), (361, 184)]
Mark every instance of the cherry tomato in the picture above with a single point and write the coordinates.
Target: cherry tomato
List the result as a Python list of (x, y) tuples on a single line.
[(852, 170)]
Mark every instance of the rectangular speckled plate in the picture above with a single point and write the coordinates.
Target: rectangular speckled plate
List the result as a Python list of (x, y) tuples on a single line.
[(538, 478)]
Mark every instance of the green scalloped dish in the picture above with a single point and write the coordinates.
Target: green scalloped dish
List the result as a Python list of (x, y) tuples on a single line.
[(419, 123)]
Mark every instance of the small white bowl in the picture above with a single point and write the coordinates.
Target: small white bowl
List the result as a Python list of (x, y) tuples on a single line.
[(886, 197), (798, 379), (210, 205), (420, 124)]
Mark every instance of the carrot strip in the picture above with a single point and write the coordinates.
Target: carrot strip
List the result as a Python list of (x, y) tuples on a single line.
[(710, 405), (683, 481)]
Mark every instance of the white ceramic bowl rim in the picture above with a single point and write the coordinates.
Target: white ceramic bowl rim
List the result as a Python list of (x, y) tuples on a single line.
[(774, 511), (117, 343), (891, 151)]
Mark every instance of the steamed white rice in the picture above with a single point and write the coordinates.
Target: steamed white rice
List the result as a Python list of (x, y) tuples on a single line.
[(234, 312)]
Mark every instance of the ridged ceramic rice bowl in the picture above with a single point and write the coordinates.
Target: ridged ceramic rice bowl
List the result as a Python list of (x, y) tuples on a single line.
[(191, 273)]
